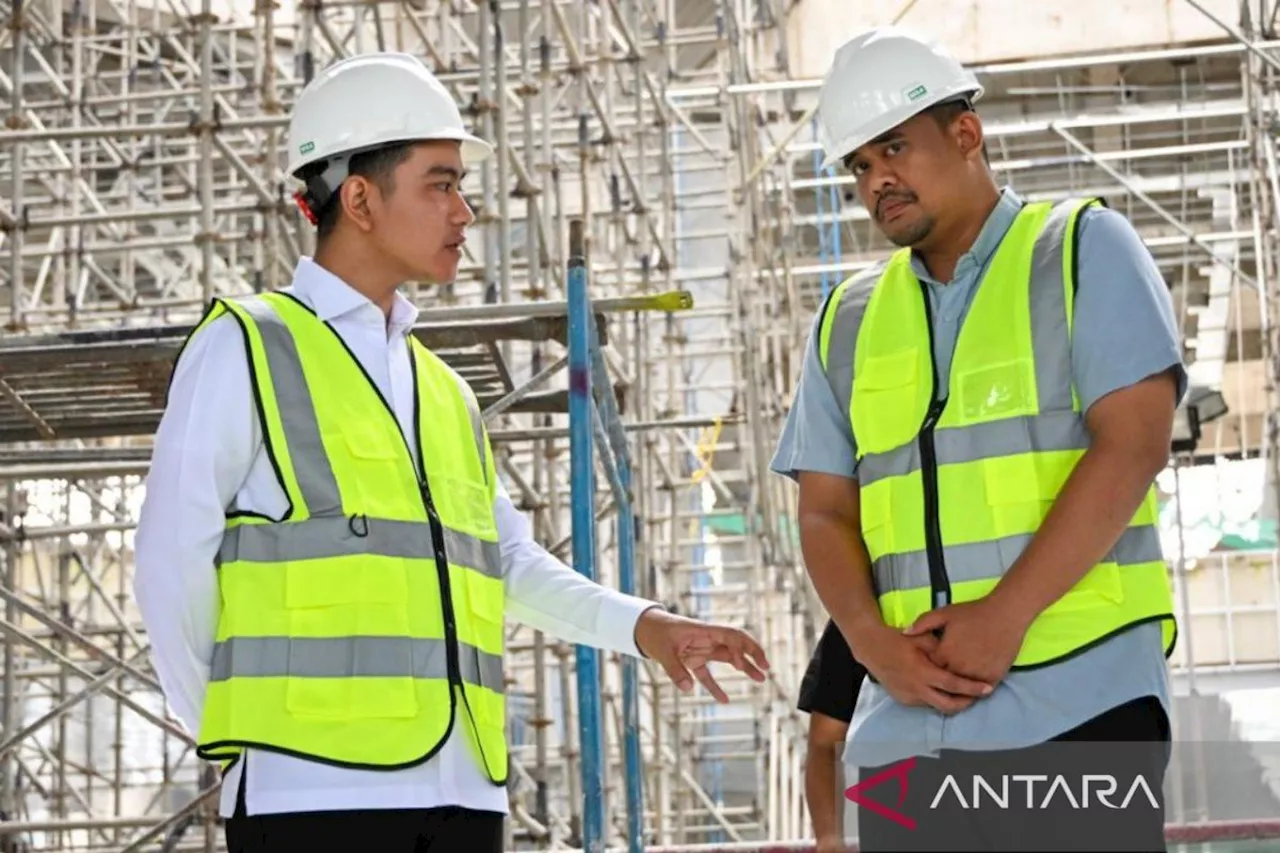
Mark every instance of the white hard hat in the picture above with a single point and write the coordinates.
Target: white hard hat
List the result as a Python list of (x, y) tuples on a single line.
[(370, 100), (881, 79)]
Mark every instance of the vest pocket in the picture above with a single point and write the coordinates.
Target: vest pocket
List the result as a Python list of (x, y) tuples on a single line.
[(888, 404), (468, 503), (349, 655), (1100, 587), (486, 606), (874, 512), (486, 613), (1021, 489), (994, 391), (379, 479), (353, 699), (1018, 498)]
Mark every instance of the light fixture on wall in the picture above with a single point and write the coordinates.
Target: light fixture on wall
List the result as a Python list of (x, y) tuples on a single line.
[(1201, 406)]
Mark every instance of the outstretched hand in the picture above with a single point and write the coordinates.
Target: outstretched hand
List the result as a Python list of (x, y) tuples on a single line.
[(684, 647)]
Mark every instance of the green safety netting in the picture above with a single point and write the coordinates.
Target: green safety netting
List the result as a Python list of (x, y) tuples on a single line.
[(736, 525), (1252, 536), (1249, 534)]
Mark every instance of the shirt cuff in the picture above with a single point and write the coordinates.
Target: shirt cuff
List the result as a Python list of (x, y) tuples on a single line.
[(619, 615)]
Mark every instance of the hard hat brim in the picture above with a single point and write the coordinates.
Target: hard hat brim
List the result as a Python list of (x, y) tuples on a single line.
[(888, 121), (474, 149)]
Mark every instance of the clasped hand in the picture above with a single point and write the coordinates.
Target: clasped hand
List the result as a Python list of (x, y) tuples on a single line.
[(949, 657)]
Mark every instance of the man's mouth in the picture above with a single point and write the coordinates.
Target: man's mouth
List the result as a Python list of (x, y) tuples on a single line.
[(891, 206)]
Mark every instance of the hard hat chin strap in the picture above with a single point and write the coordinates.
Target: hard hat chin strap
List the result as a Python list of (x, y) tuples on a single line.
[(323, 186)]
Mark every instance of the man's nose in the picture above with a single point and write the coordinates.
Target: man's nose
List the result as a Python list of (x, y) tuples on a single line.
[(881, 178), (462, 212)]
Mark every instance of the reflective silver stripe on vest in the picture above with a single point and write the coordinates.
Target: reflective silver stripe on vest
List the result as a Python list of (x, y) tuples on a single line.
[(350, 657), (316, 480), (979, 560), (1050, 333), (317, 538), (329, 532), (844, 332), (477, 423), (1055, 431)]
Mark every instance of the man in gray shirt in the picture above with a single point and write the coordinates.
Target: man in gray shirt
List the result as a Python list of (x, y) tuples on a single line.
[(948, 683)]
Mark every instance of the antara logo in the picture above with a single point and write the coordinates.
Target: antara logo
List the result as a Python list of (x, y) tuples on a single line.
[(1102, 787), (857, 793)]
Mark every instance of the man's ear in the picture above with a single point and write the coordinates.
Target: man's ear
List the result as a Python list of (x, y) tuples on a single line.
[(968, 133), (355, 201)]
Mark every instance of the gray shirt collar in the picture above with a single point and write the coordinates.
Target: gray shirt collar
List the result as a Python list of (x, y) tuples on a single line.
[(979, 255)]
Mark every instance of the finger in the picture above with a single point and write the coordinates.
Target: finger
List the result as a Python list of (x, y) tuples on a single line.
[(704, 677), (749, 669), (938, 657), (958, 685), (755, 651), (927, 643), (928, 622), (946, 702), (739, 652), (728, 653), (678, 674), (721, 653), (735, 648), (940, 654)]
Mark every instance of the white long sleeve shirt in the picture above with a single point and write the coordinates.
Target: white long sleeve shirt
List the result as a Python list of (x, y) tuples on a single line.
[(209, 459)]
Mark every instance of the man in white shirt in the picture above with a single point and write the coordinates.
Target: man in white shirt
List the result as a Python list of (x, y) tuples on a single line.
[(382, 150)]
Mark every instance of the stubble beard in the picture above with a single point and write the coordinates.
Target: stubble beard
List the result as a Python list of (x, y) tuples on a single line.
[(913, 233)]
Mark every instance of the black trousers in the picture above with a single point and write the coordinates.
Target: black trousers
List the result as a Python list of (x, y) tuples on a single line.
[(439, 830), (1096, 787)]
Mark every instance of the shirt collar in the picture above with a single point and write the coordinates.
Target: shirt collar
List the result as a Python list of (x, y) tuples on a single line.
[(331, 297), (993, 230)]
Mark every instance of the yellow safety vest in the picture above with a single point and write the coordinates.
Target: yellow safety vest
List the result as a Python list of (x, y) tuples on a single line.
[(954, 483), (366, 623)]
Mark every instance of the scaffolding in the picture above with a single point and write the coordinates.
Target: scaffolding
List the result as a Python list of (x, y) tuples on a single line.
[(142, 147)]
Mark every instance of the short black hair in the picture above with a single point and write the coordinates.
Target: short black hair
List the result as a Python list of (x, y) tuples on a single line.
[(377, 165), (943, 114)]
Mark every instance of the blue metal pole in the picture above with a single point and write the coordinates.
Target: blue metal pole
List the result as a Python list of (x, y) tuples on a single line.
[(616, 457), (582, 484), (630, 684)]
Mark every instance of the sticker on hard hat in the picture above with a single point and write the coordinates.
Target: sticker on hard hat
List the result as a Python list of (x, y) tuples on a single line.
[(916, 93), (306, 148)]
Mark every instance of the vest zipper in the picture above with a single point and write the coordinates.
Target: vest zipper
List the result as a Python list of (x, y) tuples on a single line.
[(457, 688), (446, 591), (938, 580), (453, 667)]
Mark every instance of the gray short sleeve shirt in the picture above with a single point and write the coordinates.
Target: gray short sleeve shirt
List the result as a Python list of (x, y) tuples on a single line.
[(1124, 331)]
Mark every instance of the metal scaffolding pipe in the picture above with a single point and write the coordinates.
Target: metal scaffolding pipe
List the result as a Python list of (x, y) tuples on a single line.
[(144, 173), (1030, 66)]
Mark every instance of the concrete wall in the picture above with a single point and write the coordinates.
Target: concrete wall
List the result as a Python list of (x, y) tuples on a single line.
[(1235, 604), (984, 31)]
